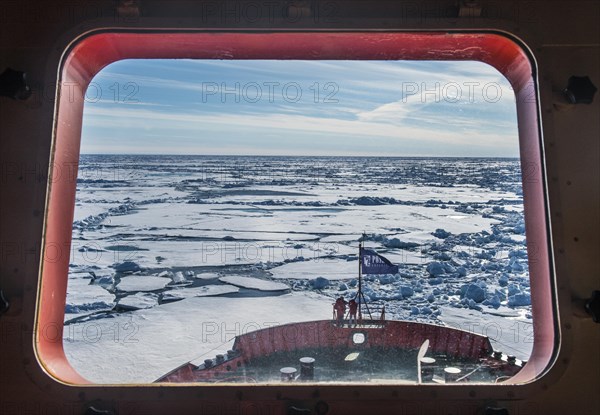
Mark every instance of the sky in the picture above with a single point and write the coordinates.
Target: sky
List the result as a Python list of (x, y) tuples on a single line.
[(304, 108)]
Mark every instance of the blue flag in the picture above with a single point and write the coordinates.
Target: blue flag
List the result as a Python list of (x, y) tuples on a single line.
[(373, 263)]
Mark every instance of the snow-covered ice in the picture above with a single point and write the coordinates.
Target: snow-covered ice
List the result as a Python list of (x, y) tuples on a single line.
[(142, 283), (511, 336), (84, 298), (332, 269), (141, 346), (207, 276), (175, 241), (254, 283), (203, 291), (138, 301)]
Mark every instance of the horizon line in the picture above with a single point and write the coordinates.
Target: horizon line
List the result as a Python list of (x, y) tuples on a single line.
[(290, 155)]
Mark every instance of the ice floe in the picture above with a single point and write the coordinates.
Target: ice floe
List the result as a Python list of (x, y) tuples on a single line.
[(254, 283), (332, 269), (138, 301), (141, 346), (455, 228), (136, 283), (85, 298), (207, 276), (203, 291)]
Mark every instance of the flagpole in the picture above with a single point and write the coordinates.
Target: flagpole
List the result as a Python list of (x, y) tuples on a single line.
[(359, 295)]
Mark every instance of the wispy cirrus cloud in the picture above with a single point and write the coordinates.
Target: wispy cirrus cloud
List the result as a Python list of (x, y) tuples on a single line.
[(343, 107)]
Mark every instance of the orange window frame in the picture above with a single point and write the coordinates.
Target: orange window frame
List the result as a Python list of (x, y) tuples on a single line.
[(92, 53)]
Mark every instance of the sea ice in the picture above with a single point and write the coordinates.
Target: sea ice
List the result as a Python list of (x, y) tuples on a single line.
[(332, 269), (493, 302), (215, 217), (127, 266), (203, 291), (425, 310), (435, 269), (319, 283), (513, 289), (154, 341), (386, 279), (254, 283), (138, 301), (441, 233), (513, 337), (178, 278), (142, 283), (473, 292), (207, 276), (406, 291), (83, 298), (520, 299)]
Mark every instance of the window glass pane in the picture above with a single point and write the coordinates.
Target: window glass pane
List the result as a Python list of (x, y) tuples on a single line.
[(222, 201)]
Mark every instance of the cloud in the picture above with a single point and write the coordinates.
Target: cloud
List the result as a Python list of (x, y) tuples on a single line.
[(385, 107), (289, 128)]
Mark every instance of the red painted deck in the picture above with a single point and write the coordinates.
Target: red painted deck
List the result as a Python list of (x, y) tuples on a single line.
[(326, 335)]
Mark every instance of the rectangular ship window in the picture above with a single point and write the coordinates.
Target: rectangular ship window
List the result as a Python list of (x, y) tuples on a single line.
[(315, 221), (216, 199)]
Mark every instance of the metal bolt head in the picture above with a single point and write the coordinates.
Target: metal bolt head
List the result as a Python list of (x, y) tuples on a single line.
[(4, 304), (592, 306), (580, 90), (13, 84)]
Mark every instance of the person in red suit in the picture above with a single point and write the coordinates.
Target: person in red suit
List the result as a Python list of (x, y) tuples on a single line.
[(340, 309), (353, 306)]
